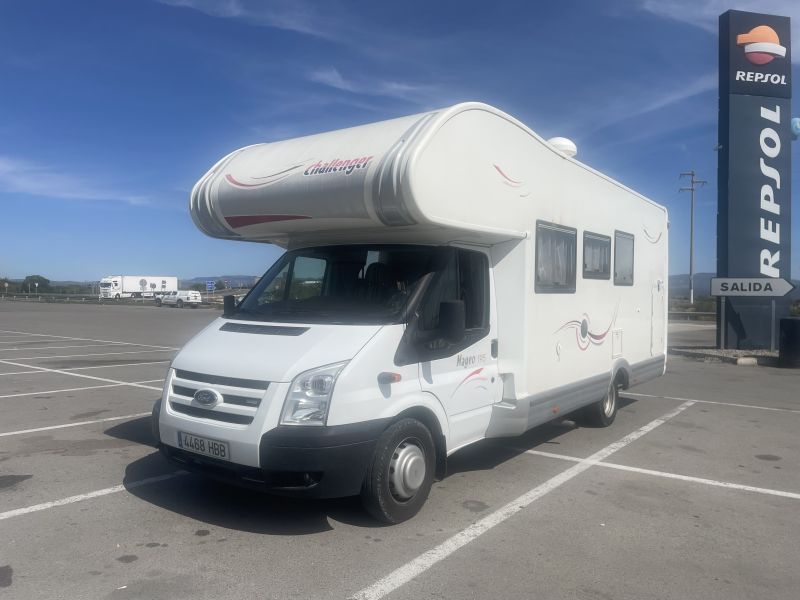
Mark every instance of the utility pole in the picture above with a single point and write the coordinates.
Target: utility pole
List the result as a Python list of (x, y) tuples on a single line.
[(694, 183)]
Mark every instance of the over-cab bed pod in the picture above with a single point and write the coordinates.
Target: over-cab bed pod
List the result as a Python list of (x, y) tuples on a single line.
[(414, 178)]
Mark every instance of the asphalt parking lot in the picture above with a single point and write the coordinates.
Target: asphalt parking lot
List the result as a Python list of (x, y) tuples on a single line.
[(694, 492)]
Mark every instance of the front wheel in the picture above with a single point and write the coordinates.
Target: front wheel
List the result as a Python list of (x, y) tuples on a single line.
[(400, 474), (603, 412), (158, 301), (179, 304)]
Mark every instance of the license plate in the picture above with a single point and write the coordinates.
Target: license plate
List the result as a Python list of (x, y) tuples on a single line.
[(201, 445)]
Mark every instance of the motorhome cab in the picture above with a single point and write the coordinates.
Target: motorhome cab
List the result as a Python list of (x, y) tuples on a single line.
[(449, 277)]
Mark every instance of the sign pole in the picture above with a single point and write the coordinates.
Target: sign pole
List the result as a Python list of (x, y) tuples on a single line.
[(723, 324), (772, 328)]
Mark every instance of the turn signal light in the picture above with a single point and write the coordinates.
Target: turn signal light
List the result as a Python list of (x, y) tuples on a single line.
[(386, 377)]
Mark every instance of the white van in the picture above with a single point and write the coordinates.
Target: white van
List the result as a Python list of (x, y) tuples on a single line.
[(449, 277)]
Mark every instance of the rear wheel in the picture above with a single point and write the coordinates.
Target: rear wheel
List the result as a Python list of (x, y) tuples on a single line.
[(400, 474), (603, 412)]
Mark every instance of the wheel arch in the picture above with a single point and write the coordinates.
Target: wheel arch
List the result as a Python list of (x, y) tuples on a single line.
[(428, 418), (620, 373)]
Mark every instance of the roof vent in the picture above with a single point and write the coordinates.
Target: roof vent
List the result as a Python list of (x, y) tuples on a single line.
[(564, 146)]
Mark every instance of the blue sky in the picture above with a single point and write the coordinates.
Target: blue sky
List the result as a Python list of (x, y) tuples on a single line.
[(110, 111)]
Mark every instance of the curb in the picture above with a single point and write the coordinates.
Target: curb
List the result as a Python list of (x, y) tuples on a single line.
[(742, 361)]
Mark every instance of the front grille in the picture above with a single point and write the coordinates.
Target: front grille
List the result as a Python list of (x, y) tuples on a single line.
[(252, 384), (206, 413), (241, 398), (226, 398)]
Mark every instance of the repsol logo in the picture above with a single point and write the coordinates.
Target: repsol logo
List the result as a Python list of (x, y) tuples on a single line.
[(770, 229), (773, 78)]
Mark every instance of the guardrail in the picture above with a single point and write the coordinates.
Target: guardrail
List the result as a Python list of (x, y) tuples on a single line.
[(691, 315), (207, 299)]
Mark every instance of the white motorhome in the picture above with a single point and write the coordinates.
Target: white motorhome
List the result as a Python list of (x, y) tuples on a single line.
[(136, 286), (449, 277)]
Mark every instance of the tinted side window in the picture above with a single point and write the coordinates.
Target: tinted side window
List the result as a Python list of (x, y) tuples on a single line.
[(465, 277), (623, 258), (473, 278), (596, 256), (556, 258)]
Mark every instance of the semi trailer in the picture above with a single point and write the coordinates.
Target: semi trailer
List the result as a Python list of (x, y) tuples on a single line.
[(136, 286)]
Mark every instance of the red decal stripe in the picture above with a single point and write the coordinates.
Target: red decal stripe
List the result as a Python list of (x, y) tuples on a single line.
[(245, 220), (499, 170)]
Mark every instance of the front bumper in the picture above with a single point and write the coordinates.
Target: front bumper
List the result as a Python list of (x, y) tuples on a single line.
[(315, 462)]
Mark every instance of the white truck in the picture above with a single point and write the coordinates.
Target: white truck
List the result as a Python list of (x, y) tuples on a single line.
[(449, 277), (136, 286)]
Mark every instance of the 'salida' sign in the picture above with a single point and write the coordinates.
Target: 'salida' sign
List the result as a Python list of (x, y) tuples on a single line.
[(754, 174)]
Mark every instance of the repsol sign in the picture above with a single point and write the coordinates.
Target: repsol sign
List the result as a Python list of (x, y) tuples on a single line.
[(754, 170), (773, 78), (770, 209)]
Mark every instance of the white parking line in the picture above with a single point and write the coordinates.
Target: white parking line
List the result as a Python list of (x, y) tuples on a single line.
[(789, 410), (104, 379), (64, 337), (76, 424), (56, 347), (425, 561), (91, 387), (689, 478), (153, 362), (94, 354), (81, 497), (25, 339)]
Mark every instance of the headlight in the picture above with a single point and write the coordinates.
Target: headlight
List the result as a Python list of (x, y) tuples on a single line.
[(309, 396)]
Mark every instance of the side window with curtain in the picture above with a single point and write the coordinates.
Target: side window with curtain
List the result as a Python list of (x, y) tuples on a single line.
[(596, 256), (556, 258), (623, 258)]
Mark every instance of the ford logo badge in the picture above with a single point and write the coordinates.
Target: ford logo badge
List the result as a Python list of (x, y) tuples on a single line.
[(207, 397)]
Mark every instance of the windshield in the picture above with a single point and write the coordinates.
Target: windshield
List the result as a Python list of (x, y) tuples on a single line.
[(105, 284), (340, 284)]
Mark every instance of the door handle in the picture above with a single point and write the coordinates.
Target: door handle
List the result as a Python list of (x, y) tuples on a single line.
[(494, 348)]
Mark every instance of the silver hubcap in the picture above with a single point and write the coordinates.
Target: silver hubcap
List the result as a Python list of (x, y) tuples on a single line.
[(610, 400), (406, 470)]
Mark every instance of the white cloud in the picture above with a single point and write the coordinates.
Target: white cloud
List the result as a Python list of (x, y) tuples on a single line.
[(33, 179), (625, 107), (290, 15), (705, 13), (393, 89)]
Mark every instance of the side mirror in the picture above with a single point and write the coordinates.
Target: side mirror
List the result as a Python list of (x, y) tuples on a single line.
[(452, 321), (228, 305)]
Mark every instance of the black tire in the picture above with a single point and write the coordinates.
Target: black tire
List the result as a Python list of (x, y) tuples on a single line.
[(603, 412), (379, 495), (158, 301), (179, 304), (116, 297)]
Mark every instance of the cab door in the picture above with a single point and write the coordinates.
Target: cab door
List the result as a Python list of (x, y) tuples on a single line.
[(463, 375)]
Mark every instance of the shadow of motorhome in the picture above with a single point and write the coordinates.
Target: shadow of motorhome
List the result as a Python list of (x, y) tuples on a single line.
[(218, 504), (223, 505), (137, 430)]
